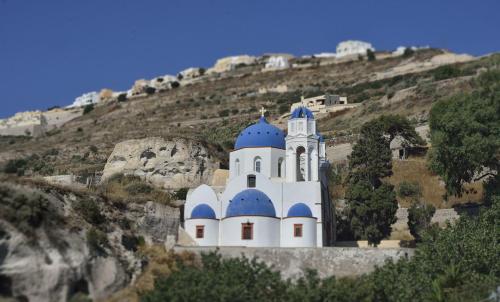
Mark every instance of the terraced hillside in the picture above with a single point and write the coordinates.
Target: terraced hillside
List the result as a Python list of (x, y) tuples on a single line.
[(213, 109)]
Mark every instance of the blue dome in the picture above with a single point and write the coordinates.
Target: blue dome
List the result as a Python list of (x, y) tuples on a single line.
[(302, 112), (299, 210), (320, 138), (203, 211), (250, 202), (261, 134)]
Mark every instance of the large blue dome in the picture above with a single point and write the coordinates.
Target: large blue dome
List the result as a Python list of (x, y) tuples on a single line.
[(202, 211), (250, 202), (261, 134), (299, 210), (302, 112)]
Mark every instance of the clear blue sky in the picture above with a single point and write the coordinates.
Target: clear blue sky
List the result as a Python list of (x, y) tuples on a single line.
[(52, 51)]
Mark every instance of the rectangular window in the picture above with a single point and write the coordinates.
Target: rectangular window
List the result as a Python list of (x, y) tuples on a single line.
[(297, 230), (301, 127), (246, 231), (200, 231), (251, 181)]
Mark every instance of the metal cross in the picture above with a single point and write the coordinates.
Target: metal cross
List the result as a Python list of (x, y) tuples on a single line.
[(262, 111)]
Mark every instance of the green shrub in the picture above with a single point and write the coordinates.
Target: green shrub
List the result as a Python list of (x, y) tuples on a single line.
[(138, 188), (90, 211), (408, 52), (446, 72), (14, 166), (150, 90), (181, 194), (88, 108), (409, 189), (224, 113), (370, 55), (97, 241), (283, 108), (419, 219), (122, 97)]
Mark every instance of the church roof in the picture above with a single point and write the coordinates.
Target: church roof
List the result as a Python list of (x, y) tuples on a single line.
[(299, 210), (260, 134), (250, 202), (302, 112), (203, 211), (320, 137)]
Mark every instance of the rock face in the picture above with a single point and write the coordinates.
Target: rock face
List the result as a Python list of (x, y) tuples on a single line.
[(55, 259), (171, 164)]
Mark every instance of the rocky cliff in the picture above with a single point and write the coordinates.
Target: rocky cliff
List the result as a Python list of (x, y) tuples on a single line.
[(56, 243), (173, 164)]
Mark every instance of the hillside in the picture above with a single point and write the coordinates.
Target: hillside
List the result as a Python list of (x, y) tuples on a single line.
[(213, 109)]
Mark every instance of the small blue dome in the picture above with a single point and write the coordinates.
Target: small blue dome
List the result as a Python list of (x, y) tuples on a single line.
[(203, 211), (320, 138), (299, 210), (250, 202), (261, 134), (302, 112)]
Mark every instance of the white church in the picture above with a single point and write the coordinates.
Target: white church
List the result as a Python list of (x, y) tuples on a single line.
[(276, 194)]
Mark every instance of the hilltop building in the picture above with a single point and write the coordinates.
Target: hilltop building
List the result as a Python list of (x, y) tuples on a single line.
[(352, 48), (86, 99), (324, 103), (276, 193)]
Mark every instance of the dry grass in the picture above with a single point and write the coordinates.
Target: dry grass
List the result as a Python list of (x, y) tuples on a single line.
[(161, 263), (128, 188), (415, 170)]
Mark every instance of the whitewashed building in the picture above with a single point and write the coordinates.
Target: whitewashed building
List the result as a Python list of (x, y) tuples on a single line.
[(276, 193), (352, 47), (86, 99)]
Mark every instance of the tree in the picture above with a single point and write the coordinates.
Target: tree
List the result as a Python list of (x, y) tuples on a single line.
[(371, 210), (419, 219), (370, 55), (88, 108), (465, 135)]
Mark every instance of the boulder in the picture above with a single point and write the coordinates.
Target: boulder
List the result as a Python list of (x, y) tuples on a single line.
[(172, 164)]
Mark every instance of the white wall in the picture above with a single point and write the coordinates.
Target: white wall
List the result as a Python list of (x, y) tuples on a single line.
[(307, 192), (269, 161), (266, 231), (308, 238), (211, 231), (202, 194)]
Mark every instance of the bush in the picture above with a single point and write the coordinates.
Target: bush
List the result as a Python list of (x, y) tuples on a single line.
[(138, 188), (130, 188), (419, 219), (175, 84), (90, 211), (234, 111), (181, 194), (409, 189), (150, 90), (408, 52), (370, 55), (88, 108), (25, 209), (15, 166), (446, 72), (97, 241), (224, 113), (93, 149), (122, 97)]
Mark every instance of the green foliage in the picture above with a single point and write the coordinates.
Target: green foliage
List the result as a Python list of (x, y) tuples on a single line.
[(122, 97), (25, 209), (458, 263), (419, 219), (371, 157), (97, 241), (371, 204), (446, 72), (90, 211), (181, 194), (88, 108), (33, 163), (409, 189), (150, 90), (224, 113), (370, 55), (136, 188), (408, 52), (465, 134), (371, 211), (93, 149)]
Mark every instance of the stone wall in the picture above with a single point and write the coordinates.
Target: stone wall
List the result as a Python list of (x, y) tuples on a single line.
[(328, 261)]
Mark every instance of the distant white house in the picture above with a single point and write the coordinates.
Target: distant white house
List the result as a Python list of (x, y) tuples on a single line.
[(353, 47), (277, 62), (86, 99)]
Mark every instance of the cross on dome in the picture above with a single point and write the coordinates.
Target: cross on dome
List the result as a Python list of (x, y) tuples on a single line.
[(262, 111)]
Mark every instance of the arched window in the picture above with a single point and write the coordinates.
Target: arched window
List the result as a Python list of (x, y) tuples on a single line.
[(257, 164), (300, 166), (280, 167), (237, 167)]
